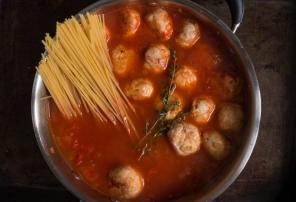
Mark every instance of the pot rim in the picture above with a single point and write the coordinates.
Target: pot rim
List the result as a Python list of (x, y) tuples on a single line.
[(255, 111)]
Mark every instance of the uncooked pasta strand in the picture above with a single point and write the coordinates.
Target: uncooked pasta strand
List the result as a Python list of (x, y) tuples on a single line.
[(77, 72)]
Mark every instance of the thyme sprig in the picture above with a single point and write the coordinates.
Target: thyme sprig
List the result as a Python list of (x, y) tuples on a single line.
[(163, 128), (160, 125), (169, 89)]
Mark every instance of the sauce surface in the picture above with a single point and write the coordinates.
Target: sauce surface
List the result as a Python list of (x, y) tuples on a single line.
[(92, 148)]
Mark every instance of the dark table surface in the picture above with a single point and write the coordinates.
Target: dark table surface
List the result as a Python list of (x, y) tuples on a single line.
[(268, 33)]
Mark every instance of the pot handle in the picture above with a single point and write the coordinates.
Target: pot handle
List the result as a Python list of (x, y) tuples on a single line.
[(237, 13)]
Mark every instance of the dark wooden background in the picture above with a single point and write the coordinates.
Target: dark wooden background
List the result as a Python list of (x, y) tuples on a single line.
[(268, 33)]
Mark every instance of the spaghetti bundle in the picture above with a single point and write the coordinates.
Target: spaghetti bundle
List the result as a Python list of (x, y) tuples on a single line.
[(77, 71)]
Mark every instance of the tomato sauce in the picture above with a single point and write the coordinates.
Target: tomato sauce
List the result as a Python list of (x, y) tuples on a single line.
[(93, 148)]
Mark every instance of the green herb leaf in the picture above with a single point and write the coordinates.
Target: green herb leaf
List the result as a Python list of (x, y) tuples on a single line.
[(160, 126)]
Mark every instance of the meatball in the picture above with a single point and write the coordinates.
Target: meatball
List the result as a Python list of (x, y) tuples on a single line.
[(202, 109), (215, 144), (185, 78), (185, 138), (122, 59), (126, 182), (230, 117), (189, 35), (131, 21), (232, 85), (226, 85), (160, 21), (156, 58), (140, 89), (176, 104)]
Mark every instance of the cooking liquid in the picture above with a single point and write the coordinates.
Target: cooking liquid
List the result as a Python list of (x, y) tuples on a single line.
[(93, 148)]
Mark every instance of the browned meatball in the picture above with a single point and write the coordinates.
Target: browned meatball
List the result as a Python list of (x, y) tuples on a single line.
[(189, 35), (131, 21), (122, 59), (185, 138), (216, 144), (230, 117), (202, 109), (226, 85), (156, 58), (140, 89), (185, 78), (177, 104), (126, 182), (232, 85), (160, 21)]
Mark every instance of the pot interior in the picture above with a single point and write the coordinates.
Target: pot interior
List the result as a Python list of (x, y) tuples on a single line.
[(77, 186)]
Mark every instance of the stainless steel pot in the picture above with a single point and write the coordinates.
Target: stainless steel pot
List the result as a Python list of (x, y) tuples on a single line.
[(39, 110)]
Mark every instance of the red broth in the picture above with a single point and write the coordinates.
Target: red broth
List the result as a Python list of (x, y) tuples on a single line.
[(92, 148)]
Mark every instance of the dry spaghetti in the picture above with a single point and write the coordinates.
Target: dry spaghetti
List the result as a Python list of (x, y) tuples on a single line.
[(77, 71)]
